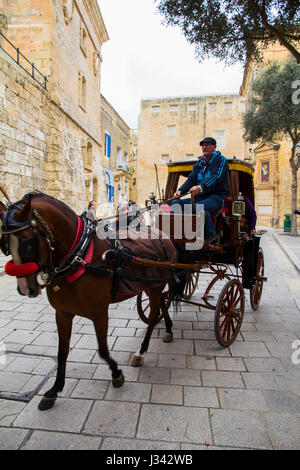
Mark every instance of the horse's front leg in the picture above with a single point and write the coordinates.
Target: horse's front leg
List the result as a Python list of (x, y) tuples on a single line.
[(101, 327), (64, 327), (155, 302)]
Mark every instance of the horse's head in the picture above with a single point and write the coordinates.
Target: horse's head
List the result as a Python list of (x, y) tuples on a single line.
[(19, 238), (28, 238)]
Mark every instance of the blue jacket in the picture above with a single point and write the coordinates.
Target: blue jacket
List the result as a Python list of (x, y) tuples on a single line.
[(212, 177)]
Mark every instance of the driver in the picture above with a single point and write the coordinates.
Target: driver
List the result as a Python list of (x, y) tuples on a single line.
[(207, 183)]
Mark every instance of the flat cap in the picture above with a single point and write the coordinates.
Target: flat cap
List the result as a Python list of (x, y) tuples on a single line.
[(208, 140)]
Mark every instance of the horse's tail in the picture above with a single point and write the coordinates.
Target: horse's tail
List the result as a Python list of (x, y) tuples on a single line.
[(177, 287)]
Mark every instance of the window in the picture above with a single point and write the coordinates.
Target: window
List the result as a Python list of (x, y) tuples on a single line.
[(155, 109), (82, 90), (220, 138), (83, 39), (192, 107), (171, 131), (228, 105), (89, 155), (212, 106), (119, 157), (107, 145), (165, 158), (86, 154), (173, 108), (126, 158), (109, 187)]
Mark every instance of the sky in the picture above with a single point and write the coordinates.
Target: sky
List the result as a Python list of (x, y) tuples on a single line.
[(144, 59)]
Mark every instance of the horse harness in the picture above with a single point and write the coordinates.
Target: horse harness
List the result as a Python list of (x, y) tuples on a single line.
[(29, 249), (114, 259)]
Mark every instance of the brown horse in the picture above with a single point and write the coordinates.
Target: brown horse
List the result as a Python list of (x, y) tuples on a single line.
[(40, 232)]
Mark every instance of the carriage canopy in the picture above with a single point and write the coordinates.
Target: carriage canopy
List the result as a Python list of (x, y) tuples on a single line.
[(241, 175)]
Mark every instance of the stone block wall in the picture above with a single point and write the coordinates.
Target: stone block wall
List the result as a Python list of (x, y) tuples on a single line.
[(39, 143)]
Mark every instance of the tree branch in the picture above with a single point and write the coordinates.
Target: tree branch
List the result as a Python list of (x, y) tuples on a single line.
[(275, 31)]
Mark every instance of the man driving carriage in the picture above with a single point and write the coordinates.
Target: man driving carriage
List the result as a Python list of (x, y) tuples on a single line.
[(207, 183)]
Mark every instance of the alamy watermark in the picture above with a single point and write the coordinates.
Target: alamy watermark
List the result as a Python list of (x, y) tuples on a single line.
[(177, 224), (296, 354), (296, 93)]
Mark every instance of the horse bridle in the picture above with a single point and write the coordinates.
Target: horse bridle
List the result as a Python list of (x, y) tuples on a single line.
[(29, 247)]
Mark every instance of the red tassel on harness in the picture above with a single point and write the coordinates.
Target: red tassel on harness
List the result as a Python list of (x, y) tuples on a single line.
[(20, 270)]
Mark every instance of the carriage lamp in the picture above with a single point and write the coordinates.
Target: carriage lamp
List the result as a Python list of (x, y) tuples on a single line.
[(151, 201), (238, 206)]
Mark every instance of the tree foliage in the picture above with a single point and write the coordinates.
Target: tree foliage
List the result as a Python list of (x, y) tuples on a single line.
[(275, 104), (275, 112), (233, 30)]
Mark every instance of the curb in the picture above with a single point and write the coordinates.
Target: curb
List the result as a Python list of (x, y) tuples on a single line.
[(292, 257)]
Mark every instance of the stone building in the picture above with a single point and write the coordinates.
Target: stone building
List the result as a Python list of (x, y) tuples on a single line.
[(272, 181), (116, 136), (170, 129), (51, 138)]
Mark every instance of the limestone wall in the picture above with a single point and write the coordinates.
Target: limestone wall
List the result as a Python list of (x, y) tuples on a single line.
[(170, 129), (23, 130), (51, 140), (40, 146)]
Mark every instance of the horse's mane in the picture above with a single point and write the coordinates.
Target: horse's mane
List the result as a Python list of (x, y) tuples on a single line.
[(36, 193)]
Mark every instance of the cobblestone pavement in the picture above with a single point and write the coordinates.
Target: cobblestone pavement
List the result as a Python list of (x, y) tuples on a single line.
[(189, 395)]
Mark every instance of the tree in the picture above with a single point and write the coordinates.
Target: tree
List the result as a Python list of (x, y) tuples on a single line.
[(235, 30), (275, 113)]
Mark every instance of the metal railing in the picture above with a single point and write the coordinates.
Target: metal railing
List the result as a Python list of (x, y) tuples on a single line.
[(22, 61)]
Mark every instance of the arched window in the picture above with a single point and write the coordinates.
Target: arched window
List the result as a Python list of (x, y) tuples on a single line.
[(86, 154), (91, 185), (83, 151), (89, 155)]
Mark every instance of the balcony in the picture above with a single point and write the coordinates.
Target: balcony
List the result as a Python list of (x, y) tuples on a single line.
[(124, 167)]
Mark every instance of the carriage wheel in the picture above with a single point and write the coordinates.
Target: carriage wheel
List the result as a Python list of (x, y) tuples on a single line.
[(143, 304), (190, 285), (229, 312), (256, 291)]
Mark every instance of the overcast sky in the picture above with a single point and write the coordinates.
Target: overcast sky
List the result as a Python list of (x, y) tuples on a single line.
[(144, 59)]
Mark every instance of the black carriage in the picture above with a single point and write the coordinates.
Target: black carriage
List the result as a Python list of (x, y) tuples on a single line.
[(236, 257)]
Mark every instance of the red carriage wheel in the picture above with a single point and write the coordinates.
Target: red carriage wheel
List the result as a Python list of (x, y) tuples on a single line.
[(143, 304), (190, 285), (256, 291), (229, 312)]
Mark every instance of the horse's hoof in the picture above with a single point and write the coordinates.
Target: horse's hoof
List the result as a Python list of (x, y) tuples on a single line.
[(137, 361), (46, 403), (168, 338), (118, 381)]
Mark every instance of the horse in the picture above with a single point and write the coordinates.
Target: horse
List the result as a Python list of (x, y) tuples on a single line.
[(42, 235)]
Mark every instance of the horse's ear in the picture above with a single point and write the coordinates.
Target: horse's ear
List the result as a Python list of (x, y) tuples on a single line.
[(23, 215)]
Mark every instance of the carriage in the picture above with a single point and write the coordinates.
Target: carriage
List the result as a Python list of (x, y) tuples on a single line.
[(236, 258), (54, 248)]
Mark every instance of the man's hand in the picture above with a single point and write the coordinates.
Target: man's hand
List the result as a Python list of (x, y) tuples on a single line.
[(195, 190), (177, 193)]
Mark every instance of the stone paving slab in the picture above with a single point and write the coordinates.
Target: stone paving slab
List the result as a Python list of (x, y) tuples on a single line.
[(191, 394)]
